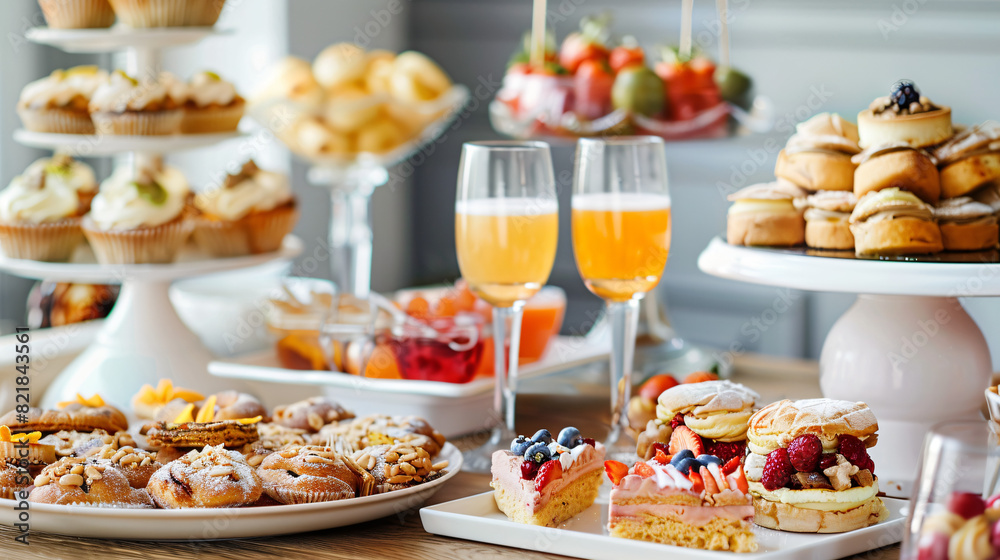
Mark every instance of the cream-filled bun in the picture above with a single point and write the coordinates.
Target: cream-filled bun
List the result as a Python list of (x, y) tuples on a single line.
[(904, 116), (897, 165), (765, 214), (970, 160), (967, 225), (838, 491), (818, 155), (894, 222), (828, 215), (716, 410)]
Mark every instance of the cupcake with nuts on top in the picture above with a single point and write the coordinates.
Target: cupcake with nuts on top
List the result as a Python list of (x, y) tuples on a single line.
[(128, 106), (250, 213), (59, 102), (41, 209), (212, 105), (138, 216)]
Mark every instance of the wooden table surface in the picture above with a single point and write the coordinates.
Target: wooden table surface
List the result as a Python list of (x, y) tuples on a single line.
[(402, 536)]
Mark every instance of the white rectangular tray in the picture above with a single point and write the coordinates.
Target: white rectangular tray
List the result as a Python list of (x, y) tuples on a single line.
[(477, 518)]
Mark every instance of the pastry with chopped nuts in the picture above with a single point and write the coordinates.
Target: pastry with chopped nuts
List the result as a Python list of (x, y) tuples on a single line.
[(27, 451), (82, 444), (308, 474), (398, 466), (273, 437), (379, 429), (311, 414), (13, 480), (188, 430), (808, 467), (82, 415), (86, 482), (211, 478), (904, 116), (136, 464)]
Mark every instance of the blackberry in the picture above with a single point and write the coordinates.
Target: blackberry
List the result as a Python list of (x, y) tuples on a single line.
[(903, 93)]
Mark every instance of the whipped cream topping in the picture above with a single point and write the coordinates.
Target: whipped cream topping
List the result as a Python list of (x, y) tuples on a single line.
[(207, 88), (829, 201), (888, 204), (971, 541), (30, 198), (816, 214), (777, 190), (979, 139), (824, 132), (145, 197), (61, 86), (963, 210), (176, 88), (123, 93), (250, 190), (988, 195), (63, 170)]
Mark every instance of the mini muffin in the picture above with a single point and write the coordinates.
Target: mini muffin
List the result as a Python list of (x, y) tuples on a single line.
[(310, 474), (765, 215), (138, 217), (136, 464), (157, 13), (250, 213), (63, 171), (80, 481), (38, 454), (379, 429), (126, 106), (59, 102), (273, 437), (13, 481), (77, 14), (311, 414), (398, 466), (204, 13), (214, 477), (40, 217), (212, 105)]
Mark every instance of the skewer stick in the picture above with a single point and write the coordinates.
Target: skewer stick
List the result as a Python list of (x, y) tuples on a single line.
[(538, 34), (687, 7), (722, 7)]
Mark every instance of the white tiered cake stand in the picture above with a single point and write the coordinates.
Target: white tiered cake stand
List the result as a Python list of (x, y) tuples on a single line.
[(143, 339), (906, 347)]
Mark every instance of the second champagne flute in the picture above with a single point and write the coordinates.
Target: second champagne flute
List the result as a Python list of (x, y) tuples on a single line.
[(506, 228), (621, 240)]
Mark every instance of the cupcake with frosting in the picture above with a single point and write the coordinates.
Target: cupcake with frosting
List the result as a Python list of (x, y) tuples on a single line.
[(127, 106), (211, 105), (59, 102), (139, 215), (41, 209), (250, 213), (77, 14)]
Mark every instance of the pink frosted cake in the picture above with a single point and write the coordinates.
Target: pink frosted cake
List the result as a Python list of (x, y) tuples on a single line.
[(545, 482), (682, 500)]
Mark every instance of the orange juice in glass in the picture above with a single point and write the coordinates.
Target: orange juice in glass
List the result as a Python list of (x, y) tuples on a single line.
[(506, 246), (621, 242)]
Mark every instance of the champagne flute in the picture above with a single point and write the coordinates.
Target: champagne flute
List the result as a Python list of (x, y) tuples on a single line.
[(506, 228), (621, 240)]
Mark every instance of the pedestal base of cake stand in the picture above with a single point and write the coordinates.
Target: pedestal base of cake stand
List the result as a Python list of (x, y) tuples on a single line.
[(916, 361)]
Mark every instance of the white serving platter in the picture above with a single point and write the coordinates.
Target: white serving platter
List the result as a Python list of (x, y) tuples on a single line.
[(226, 523), (453, 408), (477, 518)]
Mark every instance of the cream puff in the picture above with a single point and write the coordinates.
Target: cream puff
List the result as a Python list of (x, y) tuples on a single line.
[(966, 225), (970, 160), (897, 165), (711, 415), (827, 215), (765, 214), (904, 116), (808, 468), (894, 222), (818, 156)]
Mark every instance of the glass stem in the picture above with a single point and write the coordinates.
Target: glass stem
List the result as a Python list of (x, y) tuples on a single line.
[(505, 391), (351, 240), (624, 317)]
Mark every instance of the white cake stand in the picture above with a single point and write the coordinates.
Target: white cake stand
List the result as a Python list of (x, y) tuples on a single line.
[(906, 347), (143, 339)]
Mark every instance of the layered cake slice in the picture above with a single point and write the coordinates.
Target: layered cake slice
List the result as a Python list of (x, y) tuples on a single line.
[(545, 482), (682, 500)]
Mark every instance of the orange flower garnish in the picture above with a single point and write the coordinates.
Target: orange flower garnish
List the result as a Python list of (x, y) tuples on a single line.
[(253, 420), (95, 401), (207, 411), (6, 436), (166, 392), (207, 414), (185, 415)]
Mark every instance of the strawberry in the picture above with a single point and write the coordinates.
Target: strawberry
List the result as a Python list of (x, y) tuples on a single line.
[(661, 457), (721, 479), (685, 438), (711, 488), (548, 472), (741, 480), (731, 465), (695, 477), (643, 470), (592, 87), (586, 44), (627, 54), (616, 471)]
